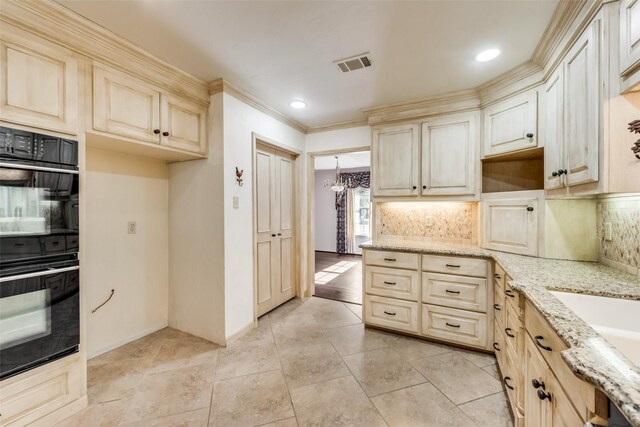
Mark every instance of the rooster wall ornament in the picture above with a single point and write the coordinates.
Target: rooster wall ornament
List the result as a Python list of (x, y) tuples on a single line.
[(239, 176)]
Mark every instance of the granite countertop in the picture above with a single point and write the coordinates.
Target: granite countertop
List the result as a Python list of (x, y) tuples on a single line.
[(589, 355)]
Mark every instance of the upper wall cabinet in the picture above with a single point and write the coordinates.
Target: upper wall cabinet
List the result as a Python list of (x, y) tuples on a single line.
[(129, 107), (449, 155), (629, 36), (572, 103), (510, 125), (395, 160), (38, 82)]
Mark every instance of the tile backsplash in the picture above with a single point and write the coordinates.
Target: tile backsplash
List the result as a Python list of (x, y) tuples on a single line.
[(623, 250), (454, 222)]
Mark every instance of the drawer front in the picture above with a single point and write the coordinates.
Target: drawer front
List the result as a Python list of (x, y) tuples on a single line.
[(392, 259), (455, 265), (499, 309), (513, 297), (512, 329), (392, 282), (468, 293), (550, 346), (52, 387), (511, 379), (499, 277), (458, 326), (391, 313)]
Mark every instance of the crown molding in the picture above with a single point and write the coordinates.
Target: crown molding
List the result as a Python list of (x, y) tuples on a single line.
[(222, 85), (517, 80), (62, 26), (451, 102), (340, 125), (564, 15)]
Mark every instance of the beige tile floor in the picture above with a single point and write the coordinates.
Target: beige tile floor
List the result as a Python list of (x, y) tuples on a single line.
[(307, 363)]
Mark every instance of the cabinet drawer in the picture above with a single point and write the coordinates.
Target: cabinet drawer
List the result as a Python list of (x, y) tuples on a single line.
[(391, 313), (392, 282), (468, 293), (512, 329), (513, 297), (499, 347), (44, 390), (550, 346), (459, 326), (499, 309), (455, 265), (499, 277), (511, 378), (391, 259)]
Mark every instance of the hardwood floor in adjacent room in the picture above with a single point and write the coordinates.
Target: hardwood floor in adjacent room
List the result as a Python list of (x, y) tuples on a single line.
[(339, 277)]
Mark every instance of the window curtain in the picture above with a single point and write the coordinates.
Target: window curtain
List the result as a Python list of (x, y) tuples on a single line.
[(344, 240)]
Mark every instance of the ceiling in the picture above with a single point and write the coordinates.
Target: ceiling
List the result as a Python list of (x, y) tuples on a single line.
[(284, 50), (347, 161)]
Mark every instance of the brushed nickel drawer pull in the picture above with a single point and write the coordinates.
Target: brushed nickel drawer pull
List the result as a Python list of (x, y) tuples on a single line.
[(506, 382), (508, 332), (497, 307), (452, 292), (451, 325), (389, 314), (539, 344), (452, 266), (390, 259)]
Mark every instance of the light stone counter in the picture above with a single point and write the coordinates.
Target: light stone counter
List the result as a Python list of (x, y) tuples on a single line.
[(589, 355)]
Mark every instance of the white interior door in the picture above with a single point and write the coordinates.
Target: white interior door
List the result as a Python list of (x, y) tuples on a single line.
[(274, 225)]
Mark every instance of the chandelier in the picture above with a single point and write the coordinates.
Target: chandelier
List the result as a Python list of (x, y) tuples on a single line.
[(338, 185)]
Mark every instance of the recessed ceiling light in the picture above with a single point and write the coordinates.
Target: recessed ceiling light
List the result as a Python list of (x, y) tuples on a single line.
[(298, 104), (487, 55)]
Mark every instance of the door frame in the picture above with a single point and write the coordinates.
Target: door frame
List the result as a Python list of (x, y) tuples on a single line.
[(263, 140), (311, 227)]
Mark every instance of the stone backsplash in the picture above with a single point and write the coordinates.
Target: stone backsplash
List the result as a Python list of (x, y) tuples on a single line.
[(623, 250), (455, 222)]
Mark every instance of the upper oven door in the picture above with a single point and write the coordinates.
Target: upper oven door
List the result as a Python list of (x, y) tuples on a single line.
[(39, 213)]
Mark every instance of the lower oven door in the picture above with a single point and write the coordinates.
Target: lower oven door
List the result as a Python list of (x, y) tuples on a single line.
[(39, 318)]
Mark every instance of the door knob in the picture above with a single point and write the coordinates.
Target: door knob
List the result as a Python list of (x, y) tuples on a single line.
[(165, 133), (529, 135), (156, 131), (273, 235), (554, 173)]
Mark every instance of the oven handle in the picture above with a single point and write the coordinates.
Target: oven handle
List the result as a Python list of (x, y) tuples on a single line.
[(39, 273), (37, 168)]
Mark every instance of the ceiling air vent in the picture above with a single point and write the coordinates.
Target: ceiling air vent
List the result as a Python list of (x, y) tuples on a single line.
[(354, 63)]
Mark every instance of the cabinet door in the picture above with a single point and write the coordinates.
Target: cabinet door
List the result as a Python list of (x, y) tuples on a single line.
[(38, 82), (396, 159), (449, 156), (538, 412), (629, 35), (183, 124), (511, 225), (582, 106), (553, 130), (125, 106), (507, 124)]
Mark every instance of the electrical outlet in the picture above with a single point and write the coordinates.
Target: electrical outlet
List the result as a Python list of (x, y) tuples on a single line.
[(236, 202), (429, 221), (131, 227), (608, 232)]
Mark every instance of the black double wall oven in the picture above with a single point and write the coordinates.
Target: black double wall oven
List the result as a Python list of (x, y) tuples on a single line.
[(39, 243)]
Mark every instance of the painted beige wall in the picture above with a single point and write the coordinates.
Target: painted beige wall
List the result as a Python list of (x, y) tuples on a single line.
[(196, 238), (123, 188)]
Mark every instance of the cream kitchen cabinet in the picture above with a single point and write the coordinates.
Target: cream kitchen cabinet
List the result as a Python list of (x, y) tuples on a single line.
[(629, 36), (38, 82), (129, 107), (511, 124), (438, 158), (553, 130), (523, 222), (449, 155), (396, 161)]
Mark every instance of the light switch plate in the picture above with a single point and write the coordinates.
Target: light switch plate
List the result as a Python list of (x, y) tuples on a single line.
[(608, 231), (131, 227), (236, 202)]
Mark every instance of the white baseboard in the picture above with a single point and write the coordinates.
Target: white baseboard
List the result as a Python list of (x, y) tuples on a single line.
[(98, 352)]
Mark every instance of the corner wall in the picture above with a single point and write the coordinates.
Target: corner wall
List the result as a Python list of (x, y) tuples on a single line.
[(623, 251), (125, 188)]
